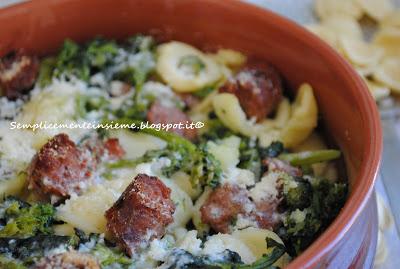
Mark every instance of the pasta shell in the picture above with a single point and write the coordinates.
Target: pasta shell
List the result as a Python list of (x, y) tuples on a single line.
[(325, 33), (230, 58), (391, 20), (343, 25), (359, 52), (229, 111), (376, 9), (388, 73), (326, 8), (196, 73), (254, 238), (377, 90), (389, 40), (303, 120)]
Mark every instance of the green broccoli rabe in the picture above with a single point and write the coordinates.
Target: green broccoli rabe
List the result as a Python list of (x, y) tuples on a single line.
[(10, 263), (250, 158), (303, 225), (310, 157), (22, 221), (27, 249), (99, 55), (229, 260), (110, 257), (297, 193), (185, 156)]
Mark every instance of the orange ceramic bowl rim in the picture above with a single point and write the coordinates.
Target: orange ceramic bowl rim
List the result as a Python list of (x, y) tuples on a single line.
[(369, 113), (359, 196)]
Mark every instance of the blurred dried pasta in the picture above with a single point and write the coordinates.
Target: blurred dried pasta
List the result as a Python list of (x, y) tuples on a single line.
[(376, 59)]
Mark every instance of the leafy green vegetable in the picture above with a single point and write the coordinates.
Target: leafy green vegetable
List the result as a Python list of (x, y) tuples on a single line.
[(202, 93), (26, 249), (310, 157), (185, 156), (10, 263), (272, 150), (250, 158), (297, 193), (100, 53), (22, 221), (47, 65), (302, 226), (229, 260), (109, 256)]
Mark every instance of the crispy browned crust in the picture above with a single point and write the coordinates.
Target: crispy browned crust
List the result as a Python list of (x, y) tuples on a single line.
[(258, 87), (18, 73), (140, 214)]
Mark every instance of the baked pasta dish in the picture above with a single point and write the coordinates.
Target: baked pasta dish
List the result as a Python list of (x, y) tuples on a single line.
[(138, 154)]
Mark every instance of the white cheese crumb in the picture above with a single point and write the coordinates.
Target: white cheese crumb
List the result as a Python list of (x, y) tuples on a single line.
[(266, 188), (190, 243)]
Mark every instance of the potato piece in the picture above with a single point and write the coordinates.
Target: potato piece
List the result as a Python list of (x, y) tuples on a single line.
[(303, 120), (137, 144), (185, 68)]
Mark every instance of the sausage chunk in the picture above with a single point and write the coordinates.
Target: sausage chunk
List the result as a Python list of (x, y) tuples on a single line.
[(171, 115), (258, 88), (223, 205), (113, 149), (60, 168), (266, 215), (140, 214), (18, 73), (274, 164), (68, 260)]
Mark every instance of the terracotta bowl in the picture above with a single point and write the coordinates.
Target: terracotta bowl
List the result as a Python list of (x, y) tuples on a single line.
[(347, 109)]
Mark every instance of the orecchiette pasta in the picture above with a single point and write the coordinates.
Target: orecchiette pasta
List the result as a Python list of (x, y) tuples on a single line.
[(388, 73), (185, 68), (229, 111), (304, 118), (325, 8)]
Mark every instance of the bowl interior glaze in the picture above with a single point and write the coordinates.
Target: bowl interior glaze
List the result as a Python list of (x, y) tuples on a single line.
[(347, 109)]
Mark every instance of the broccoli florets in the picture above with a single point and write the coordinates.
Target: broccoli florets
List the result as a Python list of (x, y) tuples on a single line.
[(23, 220), (303, 224), (202, 166)]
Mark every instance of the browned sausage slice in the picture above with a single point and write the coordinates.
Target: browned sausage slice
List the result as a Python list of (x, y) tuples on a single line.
[(140, 214), (18, 73), (258, 87), (60, 168), (171, 115), (68, 260), (223, 205)]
